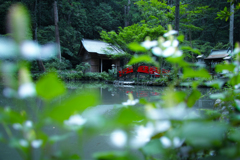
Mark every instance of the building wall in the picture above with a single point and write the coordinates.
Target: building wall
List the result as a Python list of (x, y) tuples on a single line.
[(94, 60)]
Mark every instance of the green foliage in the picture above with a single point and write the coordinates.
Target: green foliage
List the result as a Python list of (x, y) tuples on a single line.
[(168, 127), (83, 67), (49, 86), (134, 33)]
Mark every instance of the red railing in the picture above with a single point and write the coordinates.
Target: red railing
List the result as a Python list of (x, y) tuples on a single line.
[(143, 69)]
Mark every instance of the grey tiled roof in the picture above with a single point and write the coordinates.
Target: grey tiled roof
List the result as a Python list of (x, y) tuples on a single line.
[(215, 54), (100, 47)]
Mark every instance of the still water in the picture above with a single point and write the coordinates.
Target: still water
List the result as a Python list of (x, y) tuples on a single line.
[(110, 96)]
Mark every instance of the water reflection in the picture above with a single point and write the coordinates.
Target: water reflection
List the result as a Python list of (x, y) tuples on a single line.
[(110, 97)]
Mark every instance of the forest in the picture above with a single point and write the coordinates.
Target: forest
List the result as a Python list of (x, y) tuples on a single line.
[(205, 24), (194, 115)]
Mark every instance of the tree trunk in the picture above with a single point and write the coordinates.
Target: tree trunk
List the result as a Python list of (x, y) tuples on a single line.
[(231, 29), (126, 14), (177, 15), (39, 62), (56, 29)]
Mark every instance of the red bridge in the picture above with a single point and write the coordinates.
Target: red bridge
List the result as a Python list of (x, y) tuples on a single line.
[(143, 69)]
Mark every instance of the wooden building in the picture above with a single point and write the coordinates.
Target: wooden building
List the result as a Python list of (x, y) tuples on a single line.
[(96, 54), (215, 57)]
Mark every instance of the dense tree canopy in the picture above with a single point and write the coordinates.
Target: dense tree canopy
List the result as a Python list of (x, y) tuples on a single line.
[(203, 23)]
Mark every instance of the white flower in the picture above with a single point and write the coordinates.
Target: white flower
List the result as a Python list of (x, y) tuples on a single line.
[(237, 86), (8, 48), (166, 142), (178, 53), (23, 143), (30, 50), (157, 51), (28, 124), (36, 143), (143, 135), (169, 51), (17, 126), (162, 126), (48, 51), (177, 142), (172, 32), (75, 120), (166, 44), (26, 90), (118, 138), (236, 51), (130, 102), (149, 44)]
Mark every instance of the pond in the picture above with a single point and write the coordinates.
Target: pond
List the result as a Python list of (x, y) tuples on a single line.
[(110, 96)]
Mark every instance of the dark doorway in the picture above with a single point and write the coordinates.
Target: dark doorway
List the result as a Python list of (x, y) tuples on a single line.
[(107, 64)]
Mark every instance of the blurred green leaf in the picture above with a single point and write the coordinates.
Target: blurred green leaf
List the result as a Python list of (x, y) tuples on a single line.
[(180, 38), (191, 73), (49, 86), (193, 97), (172, 98), (141, 58), (113, 155), (234, 135), (188, 48), (75, 156), (217, 96), (215, 83), (136, 47), (229, 151), (234, 80), (72, 105), (211, 114), (19, 23), (56, 138), (221, 67), (178, 60), (153, 147), (9, 116), (203, 134), (127, 115)]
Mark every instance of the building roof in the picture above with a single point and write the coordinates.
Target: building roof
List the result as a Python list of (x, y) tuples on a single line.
[(219, 54), (100, 47)]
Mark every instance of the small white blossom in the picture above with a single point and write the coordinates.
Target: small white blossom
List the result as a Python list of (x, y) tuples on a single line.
[(157, 51), (162, 126), (26, 90), (237, 86), (36, 143), (75, 120), (28, 124), (149, 44), (178, 53), (130, 102), (17, 126), (118, 138), (30, 50), (236, 50), (177, 142), (166, 142), (175, 43), (8, 48), (23, 143), (48, 51), (172, 32), (143, 135), (166, 44), (168, 52)]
